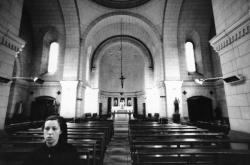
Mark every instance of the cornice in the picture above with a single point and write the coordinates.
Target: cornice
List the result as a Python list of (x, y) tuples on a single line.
[(233, 33), (124, 94), (11, 41)]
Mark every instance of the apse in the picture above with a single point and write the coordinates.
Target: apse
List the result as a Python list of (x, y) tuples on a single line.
[(132, 68)]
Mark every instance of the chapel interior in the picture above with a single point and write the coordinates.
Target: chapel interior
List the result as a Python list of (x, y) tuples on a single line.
[(129, 63)]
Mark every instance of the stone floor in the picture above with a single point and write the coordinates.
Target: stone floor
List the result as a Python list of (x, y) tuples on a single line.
[(118, 151)]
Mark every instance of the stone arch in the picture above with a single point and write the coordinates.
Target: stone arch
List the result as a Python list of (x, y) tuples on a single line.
[(170, 33), (72, 41), (133, 40), (149, 35)]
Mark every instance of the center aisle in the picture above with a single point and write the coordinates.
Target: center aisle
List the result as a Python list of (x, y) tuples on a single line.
[(118, 151)]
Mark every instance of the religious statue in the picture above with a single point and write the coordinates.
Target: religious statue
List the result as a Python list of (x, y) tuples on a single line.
[(176, 105), (176, 115)]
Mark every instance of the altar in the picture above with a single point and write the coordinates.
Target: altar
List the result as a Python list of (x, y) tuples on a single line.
[(122, 115), (122, 112)]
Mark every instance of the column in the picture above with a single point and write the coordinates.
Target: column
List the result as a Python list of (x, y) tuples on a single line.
[(68, 100), (80, 99)]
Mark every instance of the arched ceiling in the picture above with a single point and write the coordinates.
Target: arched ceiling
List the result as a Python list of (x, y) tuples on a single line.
[(120, 4)]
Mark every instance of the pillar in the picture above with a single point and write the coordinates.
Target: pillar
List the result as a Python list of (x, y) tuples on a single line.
[(68, 99)]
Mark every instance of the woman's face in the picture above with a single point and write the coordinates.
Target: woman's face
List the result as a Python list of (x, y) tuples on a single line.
[(51, 132)]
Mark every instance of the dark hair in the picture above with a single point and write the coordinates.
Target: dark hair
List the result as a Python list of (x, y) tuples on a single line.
[(63, 126)]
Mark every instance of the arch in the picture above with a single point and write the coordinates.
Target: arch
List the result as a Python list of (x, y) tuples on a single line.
[(139, 18), (170, 46), (72, 38), (143, 31), (126, 38)]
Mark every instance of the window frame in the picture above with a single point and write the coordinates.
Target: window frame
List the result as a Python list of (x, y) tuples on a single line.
[(194, 57)]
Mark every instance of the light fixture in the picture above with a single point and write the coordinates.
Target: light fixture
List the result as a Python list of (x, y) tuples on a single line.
[(122, 78), (213, 79), (234, 79), (30, 79)]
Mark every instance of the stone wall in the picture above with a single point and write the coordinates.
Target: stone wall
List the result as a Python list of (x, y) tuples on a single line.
[(232, 44), (10, 46)]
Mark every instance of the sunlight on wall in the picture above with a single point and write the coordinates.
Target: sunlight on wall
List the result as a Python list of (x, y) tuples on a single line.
[(68, 99), (53, 55), (152, 101), (190, 59), (91, 100)]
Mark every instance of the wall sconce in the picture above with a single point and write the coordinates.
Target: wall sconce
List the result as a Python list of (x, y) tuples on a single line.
[(234, 79), (30, 79)]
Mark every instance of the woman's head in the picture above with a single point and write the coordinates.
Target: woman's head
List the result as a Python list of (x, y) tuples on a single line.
[(55, 130)]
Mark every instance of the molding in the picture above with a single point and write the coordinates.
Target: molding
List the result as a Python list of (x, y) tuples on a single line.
[(124, 94), (233, 33), (11, 41)]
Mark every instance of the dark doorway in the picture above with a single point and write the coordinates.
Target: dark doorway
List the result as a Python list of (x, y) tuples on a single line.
[(135, 107), (200, 108), (109, 107), (100, 108), (43, 107)]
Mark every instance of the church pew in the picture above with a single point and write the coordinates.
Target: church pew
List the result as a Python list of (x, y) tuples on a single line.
[(23, 126), (154, 144), (155, 138), (107, 129), (83, 128), (136, 127), (191, 156), (18, 154), (191, 142), (76, 132), (73, 130), (169, 130), (176, 135), (100, 140), (89, 144)]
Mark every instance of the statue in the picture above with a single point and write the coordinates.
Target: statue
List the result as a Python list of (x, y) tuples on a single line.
[(176, 105), (176, 115)]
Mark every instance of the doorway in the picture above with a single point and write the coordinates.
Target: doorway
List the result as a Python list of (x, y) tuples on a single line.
[(200, 108)]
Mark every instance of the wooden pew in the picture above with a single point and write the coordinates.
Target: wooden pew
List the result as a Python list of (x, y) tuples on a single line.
[(18, 154), (100, 147), (155, 143), (87, 144), (79, 133), (177, 130), (191, 156)]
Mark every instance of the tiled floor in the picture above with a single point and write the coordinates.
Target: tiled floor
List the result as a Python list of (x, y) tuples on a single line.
[(118, 151)]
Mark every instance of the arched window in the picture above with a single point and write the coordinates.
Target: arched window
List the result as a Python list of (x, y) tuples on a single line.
[(190, 57), (53, 56)]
